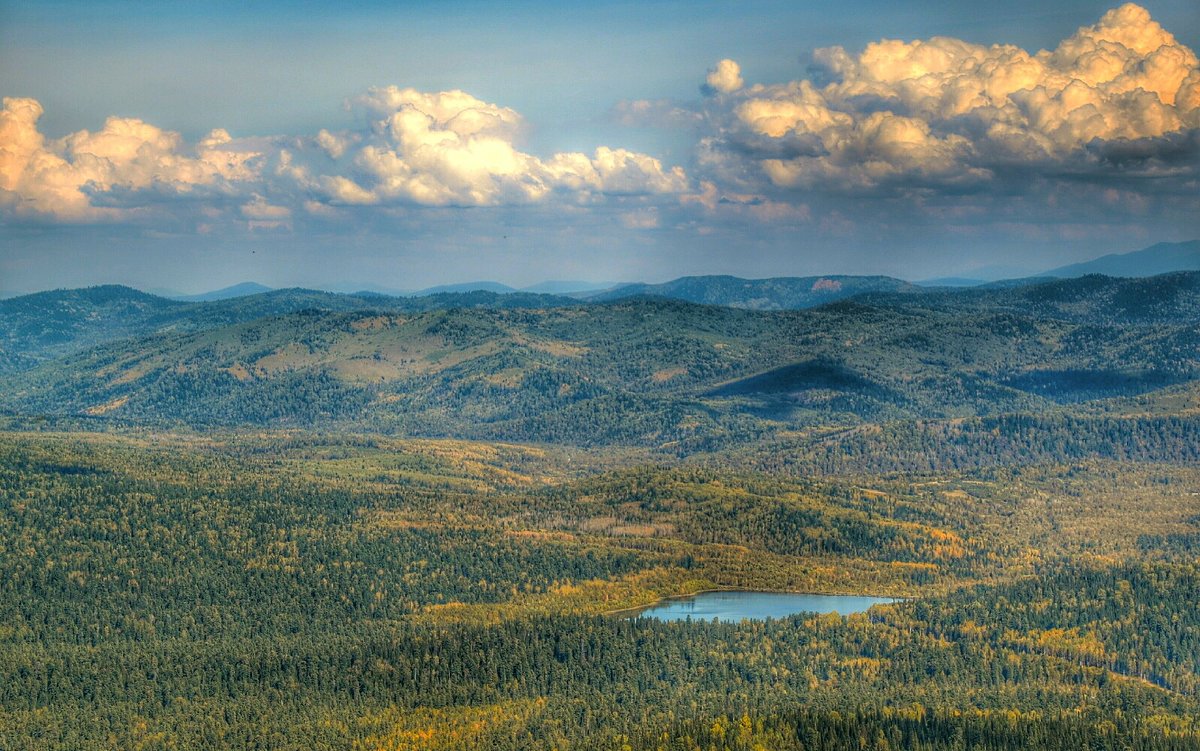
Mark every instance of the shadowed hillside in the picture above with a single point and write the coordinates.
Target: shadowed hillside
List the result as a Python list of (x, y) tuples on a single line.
[(644, 371)]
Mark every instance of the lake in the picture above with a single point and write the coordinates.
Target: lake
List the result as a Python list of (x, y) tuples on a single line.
[(732, 606)]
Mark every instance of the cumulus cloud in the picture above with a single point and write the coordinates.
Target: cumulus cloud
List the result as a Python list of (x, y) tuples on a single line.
[(452, 149), (418, 149), (723, 78), (263, 215), (941, 124), (62, 179), (947, 114)]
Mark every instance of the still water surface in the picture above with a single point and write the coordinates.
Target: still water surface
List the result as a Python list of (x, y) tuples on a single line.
[(733, 606)]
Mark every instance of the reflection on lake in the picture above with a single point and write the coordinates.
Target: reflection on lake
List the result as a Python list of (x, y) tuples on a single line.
[(734, 606)]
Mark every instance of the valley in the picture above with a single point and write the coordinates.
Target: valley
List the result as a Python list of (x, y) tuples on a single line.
[(300, 520), (607, 376)]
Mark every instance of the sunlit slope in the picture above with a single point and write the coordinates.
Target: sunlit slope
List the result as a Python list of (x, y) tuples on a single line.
[(1094, 299), (39, 327), (780, 293), (648, 371)]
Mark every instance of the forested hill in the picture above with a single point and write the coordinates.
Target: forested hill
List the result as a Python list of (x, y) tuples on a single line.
[(46, 325), (645, 371), (273, 531), (781, 293), (41, 326), (1093, 299)]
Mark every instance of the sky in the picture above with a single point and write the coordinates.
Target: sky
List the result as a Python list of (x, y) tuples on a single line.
[(398, 145)]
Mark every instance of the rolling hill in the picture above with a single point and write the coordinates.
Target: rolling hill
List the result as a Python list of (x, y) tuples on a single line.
[(39, 327), (781, 293), (237, 290), (44, 325), (644, 371), (496, 287), (178, 480)]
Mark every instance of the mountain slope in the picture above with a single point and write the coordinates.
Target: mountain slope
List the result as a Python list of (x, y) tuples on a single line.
[(49, 324), (1162, 258), (36, 328), (465, 287), (781, 293), (226, 293), (643, 371), (1167, 298)]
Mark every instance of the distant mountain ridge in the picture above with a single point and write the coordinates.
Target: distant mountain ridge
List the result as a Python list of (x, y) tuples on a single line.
[(497, 287), (568, 287), (226, 293), (1161, 258), (46, 325), (645, 370), (951, 281), (50, 324), (548, 287), (777, 293), (774, 293)]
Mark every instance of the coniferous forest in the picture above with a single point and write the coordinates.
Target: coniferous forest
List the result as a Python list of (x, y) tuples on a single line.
[(306, 521)]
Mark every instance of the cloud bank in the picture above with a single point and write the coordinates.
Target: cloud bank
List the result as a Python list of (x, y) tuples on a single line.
[(451, 149), (83, 176), (941, 129), (418, 149), (1120, 98)]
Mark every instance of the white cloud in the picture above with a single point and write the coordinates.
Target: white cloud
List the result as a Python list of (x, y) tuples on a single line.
[(944, 112), (928, 119), (418, 149), (262, 215), (61, 179), (451, 149), (724, 78), (334, 146), (740, 206)]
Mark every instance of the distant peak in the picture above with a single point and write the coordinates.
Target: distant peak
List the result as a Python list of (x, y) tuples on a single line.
[(484, 286), (1160, 258), (225, 293)]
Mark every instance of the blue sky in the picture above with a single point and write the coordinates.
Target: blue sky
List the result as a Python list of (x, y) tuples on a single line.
[(591, 151)]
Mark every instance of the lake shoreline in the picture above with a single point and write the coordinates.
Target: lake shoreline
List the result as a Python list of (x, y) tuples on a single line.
[(711, 590)]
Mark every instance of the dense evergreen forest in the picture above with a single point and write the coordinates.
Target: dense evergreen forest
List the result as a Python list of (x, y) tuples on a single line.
[(288, 591), (308, 521)]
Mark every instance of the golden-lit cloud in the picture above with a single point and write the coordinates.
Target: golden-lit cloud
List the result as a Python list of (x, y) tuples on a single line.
[(947, 112), (725, 77), (62, 179), (942, 122), (419, 149), (451, 149)]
